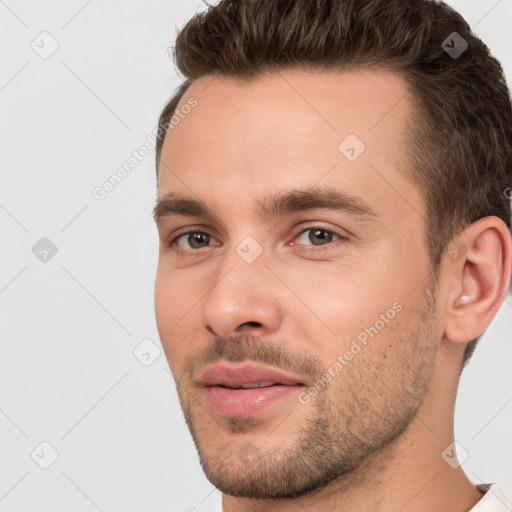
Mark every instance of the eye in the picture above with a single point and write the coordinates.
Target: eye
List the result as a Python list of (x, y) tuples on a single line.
[(317, 236), (194, 239)]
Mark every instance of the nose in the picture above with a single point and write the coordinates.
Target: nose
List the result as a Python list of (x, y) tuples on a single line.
[(244, 299)]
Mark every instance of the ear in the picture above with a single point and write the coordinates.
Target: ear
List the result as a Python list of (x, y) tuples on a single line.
[(477, 267)]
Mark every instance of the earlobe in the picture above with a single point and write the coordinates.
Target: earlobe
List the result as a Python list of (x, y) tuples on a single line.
[(479, 280), (463, 299)]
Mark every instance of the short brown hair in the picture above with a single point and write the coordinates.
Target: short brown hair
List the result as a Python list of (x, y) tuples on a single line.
[(460, 140)]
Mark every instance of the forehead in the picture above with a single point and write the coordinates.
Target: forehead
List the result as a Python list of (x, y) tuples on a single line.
[(329, 101), (288, 129)]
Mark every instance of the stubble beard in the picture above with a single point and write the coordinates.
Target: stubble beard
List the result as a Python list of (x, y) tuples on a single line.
[(371, 404)]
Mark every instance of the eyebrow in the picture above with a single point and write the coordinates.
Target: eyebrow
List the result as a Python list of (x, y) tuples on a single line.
[(271, 205)]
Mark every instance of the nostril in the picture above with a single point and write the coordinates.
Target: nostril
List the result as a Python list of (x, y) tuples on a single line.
[(253, 324)]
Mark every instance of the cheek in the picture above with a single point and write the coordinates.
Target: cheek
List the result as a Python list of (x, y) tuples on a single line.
[(349, 304), (170, 300), (174, 297), (177, 312), (164, 301)]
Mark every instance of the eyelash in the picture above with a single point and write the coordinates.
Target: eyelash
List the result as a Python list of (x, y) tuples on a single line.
[(172, 243)]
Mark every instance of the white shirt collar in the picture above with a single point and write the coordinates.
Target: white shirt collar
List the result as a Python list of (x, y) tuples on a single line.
[(492, 501)]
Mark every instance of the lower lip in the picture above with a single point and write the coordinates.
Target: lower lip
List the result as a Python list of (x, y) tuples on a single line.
[(246, 402)]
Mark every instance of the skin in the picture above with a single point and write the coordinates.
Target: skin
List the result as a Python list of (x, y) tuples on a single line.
[(373, 439)]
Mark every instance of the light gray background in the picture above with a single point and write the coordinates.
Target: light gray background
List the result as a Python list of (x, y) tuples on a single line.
[(68, 373)]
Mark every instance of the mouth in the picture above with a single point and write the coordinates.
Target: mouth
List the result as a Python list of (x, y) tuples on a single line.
[(245, 389), (253, 385)]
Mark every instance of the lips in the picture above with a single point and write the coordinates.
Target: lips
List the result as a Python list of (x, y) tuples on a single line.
[(245, 376), (245, 389)]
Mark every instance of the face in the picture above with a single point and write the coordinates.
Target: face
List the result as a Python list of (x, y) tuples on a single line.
[(293, 293)]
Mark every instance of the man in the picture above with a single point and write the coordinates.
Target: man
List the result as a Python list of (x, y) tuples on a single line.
[(335, 238)]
